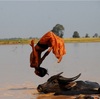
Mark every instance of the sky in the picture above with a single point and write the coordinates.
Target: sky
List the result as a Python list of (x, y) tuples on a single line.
[(34, 18)]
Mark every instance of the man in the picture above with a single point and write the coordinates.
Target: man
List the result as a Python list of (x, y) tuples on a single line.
[(52, 40)]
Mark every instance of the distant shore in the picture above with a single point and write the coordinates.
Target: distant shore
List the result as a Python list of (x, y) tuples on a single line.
[(81, 40), (67, 40)]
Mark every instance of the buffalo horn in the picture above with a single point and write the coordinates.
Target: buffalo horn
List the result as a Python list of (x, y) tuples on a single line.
[(66, 80), (59, 74), (54, 77)]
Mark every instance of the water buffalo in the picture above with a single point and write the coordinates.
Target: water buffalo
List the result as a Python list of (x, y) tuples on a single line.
[(60, 85)]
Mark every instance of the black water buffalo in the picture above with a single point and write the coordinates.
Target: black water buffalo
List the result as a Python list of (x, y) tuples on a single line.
[(60, 85)]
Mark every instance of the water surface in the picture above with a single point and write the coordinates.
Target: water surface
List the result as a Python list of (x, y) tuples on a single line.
[(18, 80)]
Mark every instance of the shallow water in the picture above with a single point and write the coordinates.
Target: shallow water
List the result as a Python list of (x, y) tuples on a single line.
[(18, 80)]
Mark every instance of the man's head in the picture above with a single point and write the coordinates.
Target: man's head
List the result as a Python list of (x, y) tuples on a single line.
[(58, 30), (40, 71)]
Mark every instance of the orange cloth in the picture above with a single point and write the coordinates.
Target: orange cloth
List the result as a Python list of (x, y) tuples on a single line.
[(57, 44)]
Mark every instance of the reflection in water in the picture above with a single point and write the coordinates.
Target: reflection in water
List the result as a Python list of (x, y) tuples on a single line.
[(51, 96), (24, 88)]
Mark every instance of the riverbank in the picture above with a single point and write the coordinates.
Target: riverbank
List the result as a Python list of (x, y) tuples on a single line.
[(81, 40), (67, 40)]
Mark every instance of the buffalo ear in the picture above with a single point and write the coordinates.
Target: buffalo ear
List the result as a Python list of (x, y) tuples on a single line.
[(70, 85), (63, 80)]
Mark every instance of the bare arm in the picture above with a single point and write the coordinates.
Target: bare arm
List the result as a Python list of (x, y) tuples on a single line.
[(46, 54)]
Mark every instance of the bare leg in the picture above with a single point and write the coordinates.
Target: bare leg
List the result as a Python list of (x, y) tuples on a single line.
[(34, 56)]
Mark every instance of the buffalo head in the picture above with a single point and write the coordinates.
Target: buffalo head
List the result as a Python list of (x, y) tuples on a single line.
[(57, 83)]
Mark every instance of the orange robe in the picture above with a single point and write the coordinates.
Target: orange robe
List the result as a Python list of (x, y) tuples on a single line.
[(54, 41)]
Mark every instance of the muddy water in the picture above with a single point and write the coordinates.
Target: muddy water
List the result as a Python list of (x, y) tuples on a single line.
[(18, 80)]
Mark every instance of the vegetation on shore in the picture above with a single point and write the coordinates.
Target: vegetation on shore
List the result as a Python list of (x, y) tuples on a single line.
[(81, 40), (27, 40), (74, 39)]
